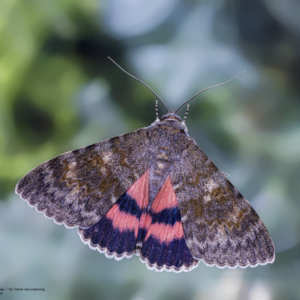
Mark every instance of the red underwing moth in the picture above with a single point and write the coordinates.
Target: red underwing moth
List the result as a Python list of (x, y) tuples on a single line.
[(153, 193)]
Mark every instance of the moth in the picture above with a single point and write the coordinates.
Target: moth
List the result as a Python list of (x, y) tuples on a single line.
[(153, 193)]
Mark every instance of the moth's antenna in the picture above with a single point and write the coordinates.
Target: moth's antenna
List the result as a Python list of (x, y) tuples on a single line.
[(186, 113), (156, 110), (138, 81), (208, 89)]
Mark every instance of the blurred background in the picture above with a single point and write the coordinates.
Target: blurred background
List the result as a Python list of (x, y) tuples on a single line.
[(58, 92)]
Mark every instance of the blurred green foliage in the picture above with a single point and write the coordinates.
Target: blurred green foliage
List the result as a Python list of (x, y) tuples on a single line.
[(58, 92)]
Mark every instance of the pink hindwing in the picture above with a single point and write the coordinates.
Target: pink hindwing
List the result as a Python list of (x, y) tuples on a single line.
[(117, 232), (155, 234), (164, 246)]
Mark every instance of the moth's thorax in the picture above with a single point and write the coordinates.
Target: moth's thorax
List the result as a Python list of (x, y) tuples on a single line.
[(171, 120)]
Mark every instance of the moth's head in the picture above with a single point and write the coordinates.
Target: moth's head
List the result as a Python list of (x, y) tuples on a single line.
[(170, 116), (171, 120)]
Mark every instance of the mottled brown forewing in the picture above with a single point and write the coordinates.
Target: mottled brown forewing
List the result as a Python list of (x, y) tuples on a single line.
[(220, 226), (78, 187)]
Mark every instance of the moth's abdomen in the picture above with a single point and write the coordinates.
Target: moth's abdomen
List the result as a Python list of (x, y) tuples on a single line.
[(160, 169)]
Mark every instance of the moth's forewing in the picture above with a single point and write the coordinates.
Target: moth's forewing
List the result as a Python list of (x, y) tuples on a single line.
[(78, 187), (220, 226)]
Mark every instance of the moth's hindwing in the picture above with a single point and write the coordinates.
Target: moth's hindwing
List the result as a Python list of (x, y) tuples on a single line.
[(117, 233), (220, 226), (164, 246), (79, 187)]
